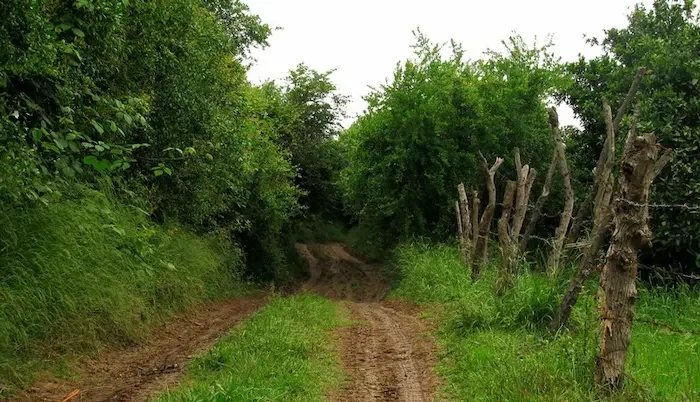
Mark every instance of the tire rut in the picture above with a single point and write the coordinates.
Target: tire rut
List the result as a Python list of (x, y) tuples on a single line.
[(385, 352)]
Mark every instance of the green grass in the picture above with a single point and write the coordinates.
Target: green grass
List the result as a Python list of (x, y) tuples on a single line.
[(282, 353), (83, 273), (499, 349)]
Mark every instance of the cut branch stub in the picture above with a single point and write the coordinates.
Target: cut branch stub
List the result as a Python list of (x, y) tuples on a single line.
[(475, 216), (505, 240), (560, 233), (602, 217), (535, 216), (584, 208), (465, 242), (485, 222)]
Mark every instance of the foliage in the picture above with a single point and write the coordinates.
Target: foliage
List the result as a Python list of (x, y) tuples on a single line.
[(421, 134), (88, 272), (498, 348), (282, 353), (664, 38), (307, 110)]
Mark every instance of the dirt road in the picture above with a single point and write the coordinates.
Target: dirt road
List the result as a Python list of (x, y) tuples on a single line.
[(386, 353), (140, 372)]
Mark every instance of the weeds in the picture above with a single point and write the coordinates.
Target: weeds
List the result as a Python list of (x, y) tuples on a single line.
[(282, 353), (501, 349)]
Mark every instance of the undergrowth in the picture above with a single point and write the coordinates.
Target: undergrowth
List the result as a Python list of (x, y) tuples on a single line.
[(282, 353), (501, 348), (85, 272)]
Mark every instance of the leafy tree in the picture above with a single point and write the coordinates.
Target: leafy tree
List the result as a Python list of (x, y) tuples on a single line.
[(665, 39), (422, 132)]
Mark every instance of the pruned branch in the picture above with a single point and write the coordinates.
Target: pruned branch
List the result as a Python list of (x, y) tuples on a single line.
[(560, 233), (584, 208), (480, 249), (537, 211)]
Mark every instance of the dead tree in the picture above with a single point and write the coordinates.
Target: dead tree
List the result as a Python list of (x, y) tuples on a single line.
[(508, 259), (460, 236), (546, 188), (618, 290), (526, 178), (584, 208), (485, 223), (475, 216), (601, 220), (560, 233), (464, 241)]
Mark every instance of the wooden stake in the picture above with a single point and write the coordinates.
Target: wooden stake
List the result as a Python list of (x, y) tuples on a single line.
[(482, 238)]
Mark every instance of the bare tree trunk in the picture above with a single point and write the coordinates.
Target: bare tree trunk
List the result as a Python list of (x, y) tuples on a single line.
[(535, 216), (460, 236), (475, 216), (585, 206), (466, 225), (601, 219), (504, 280), (618, 289), (481, 246), (560, 233)]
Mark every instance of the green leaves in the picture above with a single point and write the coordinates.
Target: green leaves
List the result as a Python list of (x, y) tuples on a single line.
[(161, 169)]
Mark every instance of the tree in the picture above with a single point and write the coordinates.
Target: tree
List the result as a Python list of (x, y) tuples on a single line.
[(421, 133), (665, 39)]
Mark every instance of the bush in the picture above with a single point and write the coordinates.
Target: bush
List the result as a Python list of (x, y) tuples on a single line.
[(421, 134)]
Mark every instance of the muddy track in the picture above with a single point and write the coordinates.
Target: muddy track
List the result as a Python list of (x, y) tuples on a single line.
[(386, 353), (139, 372)]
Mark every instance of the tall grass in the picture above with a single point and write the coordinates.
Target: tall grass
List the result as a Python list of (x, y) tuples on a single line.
[(496, 349), (282, 353), (83, 273)]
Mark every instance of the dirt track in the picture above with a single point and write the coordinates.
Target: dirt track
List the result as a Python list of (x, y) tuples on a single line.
[(386, 353), (138, 373)]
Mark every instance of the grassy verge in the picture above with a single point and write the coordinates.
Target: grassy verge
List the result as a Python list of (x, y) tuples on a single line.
[(495, 349), (87, 272), (282, 353)]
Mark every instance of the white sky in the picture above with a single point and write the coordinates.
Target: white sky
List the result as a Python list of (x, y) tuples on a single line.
[(364, 39)]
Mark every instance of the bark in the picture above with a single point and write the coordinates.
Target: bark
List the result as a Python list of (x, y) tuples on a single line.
[(525, 183), (601, 220), (560, 233), (475, 216), (505, 240), (584, 208), (618, 289), (461, 237), (485, 222), (535, 216), (465, 242)]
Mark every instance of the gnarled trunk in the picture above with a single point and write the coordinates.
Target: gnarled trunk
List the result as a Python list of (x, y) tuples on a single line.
[(618, 288)]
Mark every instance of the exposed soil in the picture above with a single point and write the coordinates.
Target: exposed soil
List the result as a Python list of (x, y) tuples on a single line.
[(139, 372), (387, 352)]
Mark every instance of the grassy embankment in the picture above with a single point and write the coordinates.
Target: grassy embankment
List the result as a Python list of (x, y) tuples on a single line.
[(284, 352), (86, 272), (499, 349)]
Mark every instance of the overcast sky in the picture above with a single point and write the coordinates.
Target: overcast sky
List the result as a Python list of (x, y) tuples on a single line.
[(364, 39)]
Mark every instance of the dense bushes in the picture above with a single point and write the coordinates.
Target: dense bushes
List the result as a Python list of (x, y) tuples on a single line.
[(421, 134), (664, 38), (155, 96)]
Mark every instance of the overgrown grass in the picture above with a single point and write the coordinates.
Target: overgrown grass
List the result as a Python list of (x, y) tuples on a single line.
[(494, 349), (282, 353), (83, 273)]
